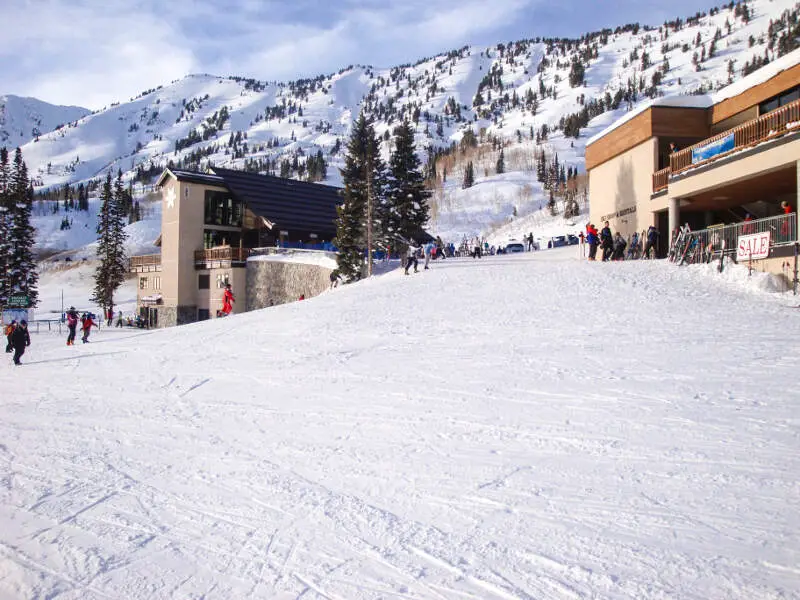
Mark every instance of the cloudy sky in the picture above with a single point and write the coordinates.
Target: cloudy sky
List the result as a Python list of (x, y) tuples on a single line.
[(94, 52)]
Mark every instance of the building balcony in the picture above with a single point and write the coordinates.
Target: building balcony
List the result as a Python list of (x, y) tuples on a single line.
[(146, 263), (777, 123), (214, 258)]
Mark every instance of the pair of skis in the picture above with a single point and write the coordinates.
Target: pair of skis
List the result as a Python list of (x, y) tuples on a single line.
[(680, 244)]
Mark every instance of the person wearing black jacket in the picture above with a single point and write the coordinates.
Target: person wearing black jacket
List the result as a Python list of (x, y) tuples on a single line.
[(21, 340), (606, 241)]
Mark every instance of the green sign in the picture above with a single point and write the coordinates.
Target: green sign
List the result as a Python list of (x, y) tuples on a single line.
[(18, 301)]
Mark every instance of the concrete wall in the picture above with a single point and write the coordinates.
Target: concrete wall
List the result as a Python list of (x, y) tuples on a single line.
[(271, 283), (620, 189)]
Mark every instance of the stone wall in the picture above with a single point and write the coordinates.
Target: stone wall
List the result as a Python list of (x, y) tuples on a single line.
[(270, 283)]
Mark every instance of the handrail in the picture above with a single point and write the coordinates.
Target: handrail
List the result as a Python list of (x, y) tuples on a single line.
[(145, 260), (768, 126), (221, 254), (661, 179)]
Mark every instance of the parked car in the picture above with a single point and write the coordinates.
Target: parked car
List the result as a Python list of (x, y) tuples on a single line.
[(557, 241), (513, 247), (572, 239)]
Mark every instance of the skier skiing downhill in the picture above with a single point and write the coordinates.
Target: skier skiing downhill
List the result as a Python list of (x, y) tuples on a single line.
[(227, 300)]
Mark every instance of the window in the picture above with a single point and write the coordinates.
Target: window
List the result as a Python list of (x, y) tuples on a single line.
[(780, 100), (215, 237), (204, 281), (223, 279), (222, 209), (203, 314), (142, 283), (156, 283)]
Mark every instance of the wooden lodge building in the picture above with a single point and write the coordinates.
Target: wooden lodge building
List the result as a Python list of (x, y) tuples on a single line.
[(737, 153), (210, 224)]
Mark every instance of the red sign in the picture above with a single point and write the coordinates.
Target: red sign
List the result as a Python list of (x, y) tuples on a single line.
[(753, 247)]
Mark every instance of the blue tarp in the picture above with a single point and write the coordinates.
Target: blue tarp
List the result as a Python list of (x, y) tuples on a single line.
[(707, 151)]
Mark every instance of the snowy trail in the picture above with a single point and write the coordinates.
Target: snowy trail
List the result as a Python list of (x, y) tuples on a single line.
[(473, 431)]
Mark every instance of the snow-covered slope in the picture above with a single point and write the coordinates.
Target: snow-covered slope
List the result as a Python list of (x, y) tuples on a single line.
[(519, 94), (24, 119), (500, 441)]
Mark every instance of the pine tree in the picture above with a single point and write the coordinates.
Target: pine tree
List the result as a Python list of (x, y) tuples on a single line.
[(469, 176), (21, 275), (6, 216), (501, 163), (407, 197), (363, 174), (110, 243)]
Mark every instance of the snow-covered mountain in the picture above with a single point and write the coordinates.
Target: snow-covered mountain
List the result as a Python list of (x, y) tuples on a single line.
[(530, 95), (24, 119)]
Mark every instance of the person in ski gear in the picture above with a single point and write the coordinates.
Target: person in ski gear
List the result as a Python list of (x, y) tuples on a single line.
[(428, 251), (787, 210), (334, 278), (227, 300), (652, 240), (593, 240), (633, 246), (109, 317), (748, 227), (86, 327), (619, 247), (21, 339), (119, 319), (9, 333), (606, 241), (411, 257), (72, 324)]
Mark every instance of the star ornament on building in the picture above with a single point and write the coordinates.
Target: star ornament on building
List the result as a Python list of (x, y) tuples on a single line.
[(169, 196)]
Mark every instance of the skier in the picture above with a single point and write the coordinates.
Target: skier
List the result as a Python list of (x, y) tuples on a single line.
[(606, 241), (72, 324), (86, 327), (428, 251), (652, 239), (411, 257), (633, 247), (21, 339), (619, 247), (592, 240), (227, 300), (9, 332), (334, 278)]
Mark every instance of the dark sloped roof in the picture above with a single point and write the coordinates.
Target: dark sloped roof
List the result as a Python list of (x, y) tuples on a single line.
[(194, 177), (292, 205)]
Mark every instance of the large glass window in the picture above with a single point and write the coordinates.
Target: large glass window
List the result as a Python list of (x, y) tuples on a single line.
[(779, 100), (215, 237), (222, 209)]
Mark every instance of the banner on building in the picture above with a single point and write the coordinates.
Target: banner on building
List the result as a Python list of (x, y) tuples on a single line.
[(753, 247), (721, 146)]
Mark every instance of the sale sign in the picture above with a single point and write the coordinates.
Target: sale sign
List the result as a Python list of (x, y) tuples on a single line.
[(753, 247)]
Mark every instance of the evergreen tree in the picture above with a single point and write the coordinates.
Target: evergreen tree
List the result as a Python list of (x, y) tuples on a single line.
[(21, 271), (501, 163), (407, 197), (110, 243), (469, 176), (6, 220), (363, 174)]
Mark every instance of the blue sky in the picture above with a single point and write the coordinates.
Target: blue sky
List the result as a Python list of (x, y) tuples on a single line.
[(94, 52)]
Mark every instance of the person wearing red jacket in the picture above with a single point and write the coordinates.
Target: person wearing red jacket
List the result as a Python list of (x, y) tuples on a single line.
[(227, 300), (787, 210), (86, 327)]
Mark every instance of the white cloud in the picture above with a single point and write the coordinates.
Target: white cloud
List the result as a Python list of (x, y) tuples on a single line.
[(94, 52)]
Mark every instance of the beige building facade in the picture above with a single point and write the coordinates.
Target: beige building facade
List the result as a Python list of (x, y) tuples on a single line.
[(736, 156)]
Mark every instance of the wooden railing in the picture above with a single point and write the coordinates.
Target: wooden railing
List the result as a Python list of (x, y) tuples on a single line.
[(661, 179), (145, 262), (221, 255), (768, 126)]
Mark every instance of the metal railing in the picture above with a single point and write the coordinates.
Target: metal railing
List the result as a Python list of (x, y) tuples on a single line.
[(661, 179), (144, 262), (773, 124), (229, 254), (704, 244)]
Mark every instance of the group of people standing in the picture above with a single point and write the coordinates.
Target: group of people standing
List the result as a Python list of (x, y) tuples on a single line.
[(86, 321), (614, 245)]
